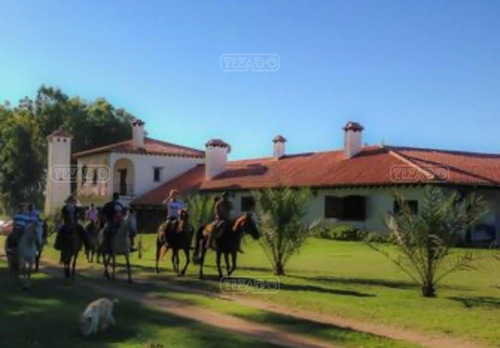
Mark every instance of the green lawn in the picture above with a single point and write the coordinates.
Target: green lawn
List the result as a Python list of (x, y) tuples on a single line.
[(47, 316), (353, 281)]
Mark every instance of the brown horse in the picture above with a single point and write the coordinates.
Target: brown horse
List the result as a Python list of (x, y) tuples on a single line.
[(225, 242), (178, 237), (71, 244)]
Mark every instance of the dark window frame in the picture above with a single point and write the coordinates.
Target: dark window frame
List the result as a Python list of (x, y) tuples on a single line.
[(157, 174), (247, 203), (348, 208)]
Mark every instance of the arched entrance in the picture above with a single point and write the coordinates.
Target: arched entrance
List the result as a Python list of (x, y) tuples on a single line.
[(124, 177)]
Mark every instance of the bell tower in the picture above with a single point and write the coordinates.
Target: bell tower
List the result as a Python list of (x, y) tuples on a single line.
[(59, 170)]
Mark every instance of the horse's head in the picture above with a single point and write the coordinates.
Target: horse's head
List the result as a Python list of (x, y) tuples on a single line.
[(248, 225), (183, 214)]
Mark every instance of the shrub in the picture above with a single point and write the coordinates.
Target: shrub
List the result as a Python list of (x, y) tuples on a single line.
[(342, 232)]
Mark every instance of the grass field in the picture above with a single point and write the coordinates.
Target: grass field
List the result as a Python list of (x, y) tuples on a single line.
[(47, 316), (351, 280)]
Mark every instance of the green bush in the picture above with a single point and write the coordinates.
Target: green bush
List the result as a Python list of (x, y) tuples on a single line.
[(340, 232)]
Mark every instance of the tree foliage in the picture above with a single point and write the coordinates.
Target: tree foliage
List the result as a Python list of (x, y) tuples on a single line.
[(25, 127), (425, 240), (280, 214), (201, 210)]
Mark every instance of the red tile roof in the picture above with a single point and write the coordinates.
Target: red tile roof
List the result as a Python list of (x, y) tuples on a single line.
[(373, 166), (151, 147), (60, 133)]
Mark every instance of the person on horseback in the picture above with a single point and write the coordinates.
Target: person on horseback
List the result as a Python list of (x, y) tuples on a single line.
[(21, 220), (222, 208), (69, 213), (114, 214), (92, 214), (174, 206)]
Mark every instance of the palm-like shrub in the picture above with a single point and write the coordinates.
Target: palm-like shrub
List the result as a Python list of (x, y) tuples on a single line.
[(424, 241), (280, 214), (200, 209)]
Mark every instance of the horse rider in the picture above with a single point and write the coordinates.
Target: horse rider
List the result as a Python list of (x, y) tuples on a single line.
[(222, 208), (21, 220), (92, 214), (174, 206), (69, 213), (114, 214)]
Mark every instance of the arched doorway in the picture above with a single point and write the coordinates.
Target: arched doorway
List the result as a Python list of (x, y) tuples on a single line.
[(124, 177)]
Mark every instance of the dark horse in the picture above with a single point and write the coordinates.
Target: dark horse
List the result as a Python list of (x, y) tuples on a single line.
[(71, 244), (178, 237), (45, 234), (92, 248), (225, 242)]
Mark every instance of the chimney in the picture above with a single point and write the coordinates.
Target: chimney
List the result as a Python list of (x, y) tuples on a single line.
[(352, 139), (215, 157), (279, 146), (138, 133)]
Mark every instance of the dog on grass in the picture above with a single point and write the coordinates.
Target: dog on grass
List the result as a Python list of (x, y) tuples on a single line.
[(97, 316)]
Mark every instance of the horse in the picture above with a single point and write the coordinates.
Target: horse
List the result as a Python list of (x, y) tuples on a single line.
[(92, 230), (71, 244), (120, 245), (178, 237), (225, 242), (43, 233), (22, 257)]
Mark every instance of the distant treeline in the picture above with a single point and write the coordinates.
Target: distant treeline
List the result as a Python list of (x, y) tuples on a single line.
[(23, 138)]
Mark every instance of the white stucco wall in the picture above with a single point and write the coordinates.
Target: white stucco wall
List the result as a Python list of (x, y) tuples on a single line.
[(379, 201), (140, 171), (58, 181)]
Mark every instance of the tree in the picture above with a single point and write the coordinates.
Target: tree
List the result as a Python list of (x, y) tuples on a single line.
[(280, 214), (24, 128), (425, 240), (200, 209)]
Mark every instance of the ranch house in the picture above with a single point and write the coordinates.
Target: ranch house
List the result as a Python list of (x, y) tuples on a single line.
[(354, 185)]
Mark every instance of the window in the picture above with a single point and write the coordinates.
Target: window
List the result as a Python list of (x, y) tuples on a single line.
[(333, 207), (84, 174), (247, 203), (351, 208), (157, 174), (354, 208), (412, 205)]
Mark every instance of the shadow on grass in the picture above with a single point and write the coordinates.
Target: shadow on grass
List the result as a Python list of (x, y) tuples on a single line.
[(47, 316), (478, 301), (327, 332), (360, 281)]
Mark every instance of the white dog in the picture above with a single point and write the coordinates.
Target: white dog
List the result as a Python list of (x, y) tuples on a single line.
[(97, 316)]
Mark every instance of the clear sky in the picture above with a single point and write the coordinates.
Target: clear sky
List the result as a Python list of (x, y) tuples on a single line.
[(417, 73)]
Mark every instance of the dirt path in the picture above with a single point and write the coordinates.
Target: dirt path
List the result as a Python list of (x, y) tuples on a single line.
[(243, 327), (273, 335)]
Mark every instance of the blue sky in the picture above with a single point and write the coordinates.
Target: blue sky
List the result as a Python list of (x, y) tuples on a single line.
[(418, 73)]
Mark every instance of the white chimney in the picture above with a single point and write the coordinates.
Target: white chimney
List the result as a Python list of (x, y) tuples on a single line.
[(215, 157), (352, 139), (279, 146), (138, 133)]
